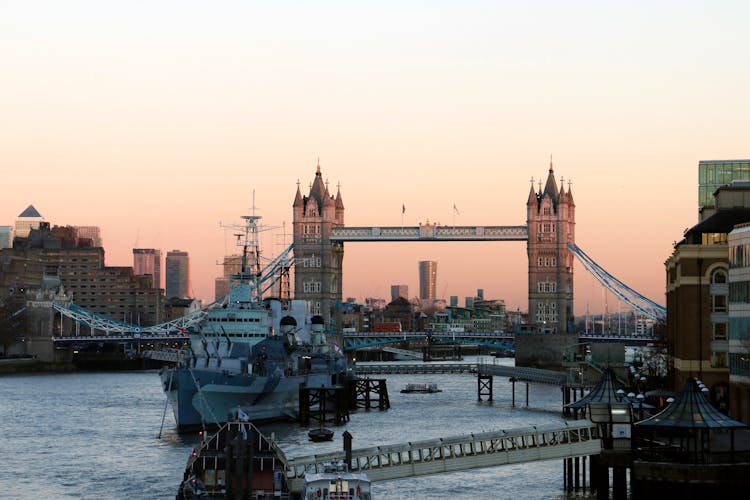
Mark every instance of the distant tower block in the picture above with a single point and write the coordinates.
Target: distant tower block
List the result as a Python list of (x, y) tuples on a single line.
[(177, 274), (428, 280), (318, 271), (399, 291), (26, 221), (148, 261)]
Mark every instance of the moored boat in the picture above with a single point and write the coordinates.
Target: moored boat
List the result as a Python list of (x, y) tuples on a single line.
[(321, 434), (337, 483), (238, 461), (423, 388)]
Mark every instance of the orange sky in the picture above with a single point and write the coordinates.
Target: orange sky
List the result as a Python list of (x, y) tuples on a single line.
[(156, 120)]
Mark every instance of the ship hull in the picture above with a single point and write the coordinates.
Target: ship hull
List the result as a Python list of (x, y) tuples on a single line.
[(261, 398)]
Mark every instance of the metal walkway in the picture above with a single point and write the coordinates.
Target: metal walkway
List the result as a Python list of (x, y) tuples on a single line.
[(473, 451), (386, 368), (403, 352), (431, 232), (521, 374)]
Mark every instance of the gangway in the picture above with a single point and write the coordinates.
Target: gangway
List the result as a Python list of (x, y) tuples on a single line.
[(521, 374), (473, 451)]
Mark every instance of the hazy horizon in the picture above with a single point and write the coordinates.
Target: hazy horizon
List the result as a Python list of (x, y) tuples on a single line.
[(156, 121)]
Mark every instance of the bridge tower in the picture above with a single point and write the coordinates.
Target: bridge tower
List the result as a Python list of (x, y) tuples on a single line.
[(318, 268), (551, 224)]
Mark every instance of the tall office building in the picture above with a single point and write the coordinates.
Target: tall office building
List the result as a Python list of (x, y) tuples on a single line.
[(712, 174), (147, 261), (399, 291), (177, 280), (6, 236), (428, 280), (27, 220), (91, 233), (232, 265)]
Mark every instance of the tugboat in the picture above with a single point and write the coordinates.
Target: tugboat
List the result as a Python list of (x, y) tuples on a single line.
[(238, 461), (250, 352)]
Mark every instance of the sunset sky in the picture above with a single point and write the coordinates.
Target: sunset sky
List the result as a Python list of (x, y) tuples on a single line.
[(156, 120)]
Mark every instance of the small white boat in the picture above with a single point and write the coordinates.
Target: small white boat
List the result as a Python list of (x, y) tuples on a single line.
[(336, 483), (424, 388)]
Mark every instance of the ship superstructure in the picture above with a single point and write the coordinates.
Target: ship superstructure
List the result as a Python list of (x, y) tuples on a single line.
[(250, 352)]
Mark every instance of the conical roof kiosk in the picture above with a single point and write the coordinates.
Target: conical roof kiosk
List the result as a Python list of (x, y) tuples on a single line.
[(696, 431)]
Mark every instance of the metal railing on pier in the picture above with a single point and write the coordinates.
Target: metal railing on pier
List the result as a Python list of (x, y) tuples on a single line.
[(487, 449), (394, 368)]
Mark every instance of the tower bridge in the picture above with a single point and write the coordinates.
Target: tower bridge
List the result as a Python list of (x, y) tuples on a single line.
[(320, 235)]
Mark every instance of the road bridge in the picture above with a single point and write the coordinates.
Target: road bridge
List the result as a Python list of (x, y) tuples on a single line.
[(451, 454), (495, 340)]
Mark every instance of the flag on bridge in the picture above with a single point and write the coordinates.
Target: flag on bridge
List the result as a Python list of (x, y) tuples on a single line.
[(403, 208), (455, 209)]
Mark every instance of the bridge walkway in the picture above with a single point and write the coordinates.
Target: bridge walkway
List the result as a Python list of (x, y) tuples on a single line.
[(472, 451), (403, 352), (521, 374)]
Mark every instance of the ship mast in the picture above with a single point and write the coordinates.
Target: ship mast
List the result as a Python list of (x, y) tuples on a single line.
[(248, 235)]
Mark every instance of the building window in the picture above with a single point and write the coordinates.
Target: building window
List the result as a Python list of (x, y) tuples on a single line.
[(720, 331), (719, 276), (718, 303), (719, 360), (547, 211)]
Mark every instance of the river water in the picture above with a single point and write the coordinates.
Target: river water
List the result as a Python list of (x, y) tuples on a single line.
[(94, 436)]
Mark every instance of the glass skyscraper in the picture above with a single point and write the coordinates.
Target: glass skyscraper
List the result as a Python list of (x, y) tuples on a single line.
[(713, 174), (177, 274)]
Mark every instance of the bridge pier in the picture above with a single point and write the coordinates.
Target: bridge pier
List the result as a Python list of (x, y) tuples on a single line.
[(327, 399), (484, 386), (368, 393), (513, 381)]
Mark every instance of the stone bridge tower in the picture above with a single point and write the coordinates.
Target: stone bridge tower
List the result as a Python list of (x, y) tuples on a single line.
[(551, 223), (318, 271)]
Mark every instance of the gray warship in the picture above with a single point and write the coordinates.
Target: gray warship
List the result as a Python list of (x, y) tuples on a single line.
[(250, 353)]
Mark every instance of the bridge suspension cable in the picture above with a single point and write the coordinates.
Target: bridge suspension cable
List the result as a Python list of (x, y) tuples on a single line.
[(271, 273), (640, 303)]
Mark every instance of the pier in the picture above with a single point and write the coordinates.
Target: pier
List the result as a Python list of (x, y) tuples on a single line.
[(472, 451)]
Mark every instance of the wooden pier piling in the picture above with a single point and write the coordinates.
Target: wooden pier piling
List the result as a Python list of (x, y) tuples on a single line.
[(316, 403)]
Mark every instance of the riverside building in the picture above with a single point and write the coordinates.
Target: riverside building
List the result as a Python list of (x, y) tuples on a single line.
[(739, 323), (698, 294), (114, 292)]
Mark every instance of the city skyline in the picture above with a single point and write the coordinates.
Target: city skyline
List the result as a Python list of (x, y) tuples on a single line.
[(156, 129)]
